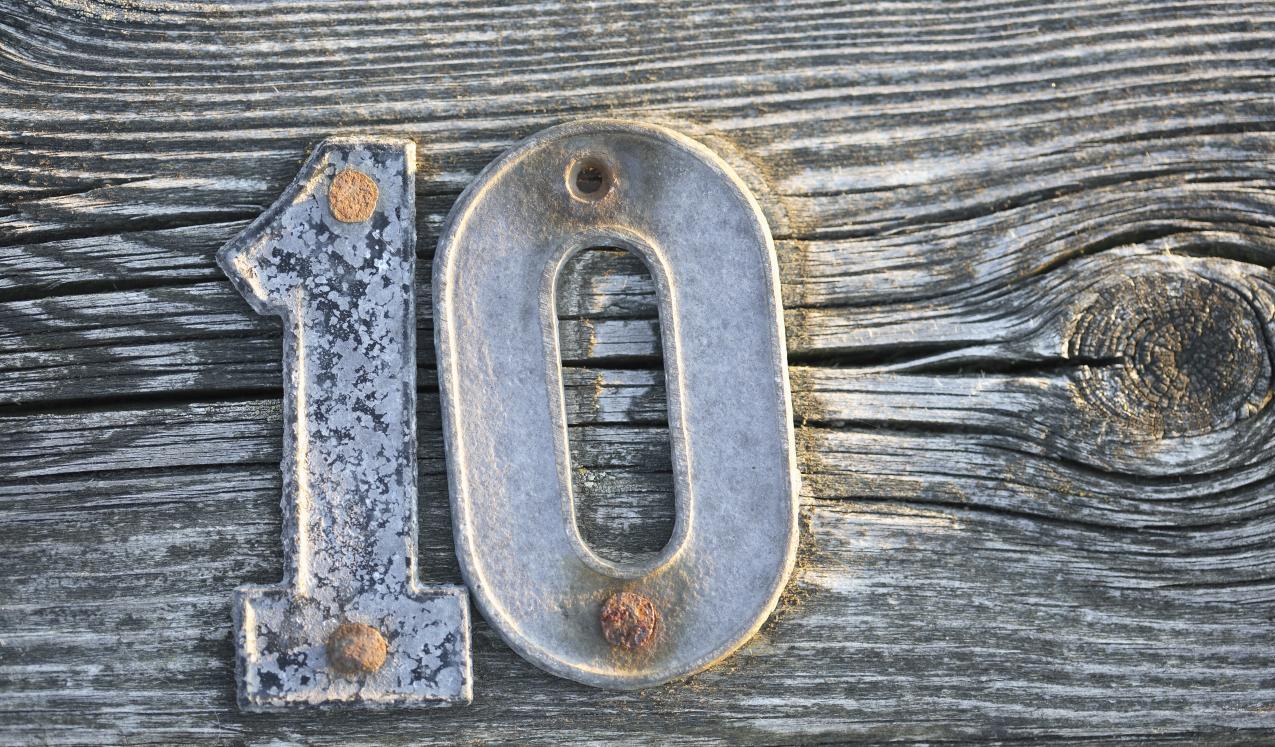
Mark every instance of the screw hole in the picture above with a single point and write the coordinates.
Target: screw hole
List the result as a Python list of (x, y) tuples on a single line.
[(589, 179)]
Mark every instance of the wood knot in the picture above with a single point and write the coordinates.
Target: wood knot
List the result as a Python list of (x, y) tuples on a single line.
[(355, 648), (629, 620), (1171, 354), (352, 196)]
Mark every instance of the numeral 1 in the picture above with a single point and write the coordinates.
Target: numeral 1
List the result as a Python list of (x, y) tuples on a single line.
[(334, 257)]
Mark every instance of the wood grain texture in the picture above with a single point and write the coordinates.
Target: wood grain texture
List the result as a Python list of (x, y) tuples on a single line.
[(1025, 250)]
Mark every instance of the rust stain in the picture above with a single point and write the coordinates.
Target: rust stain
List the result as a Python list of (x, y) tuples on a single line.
[(629, 620), (355, 648), (352, 196)]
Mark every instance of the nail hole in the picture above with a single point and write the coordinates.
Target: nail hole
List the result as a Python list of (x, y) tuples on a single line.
[(589, 179)]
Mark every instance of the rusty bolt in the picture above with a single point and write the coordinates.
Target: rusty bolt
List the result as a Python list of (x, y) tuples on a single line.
[(355, 648), (629, 620), (352, 196)]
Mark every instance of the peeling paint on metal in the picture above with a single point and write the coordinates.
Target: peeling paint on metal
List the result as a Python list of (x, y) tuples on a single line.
[(345, 292)]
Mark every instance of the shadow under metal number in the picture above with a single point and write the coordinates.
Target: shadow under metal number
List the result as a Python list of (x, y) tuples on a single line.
[(702, 236), (334, 256)]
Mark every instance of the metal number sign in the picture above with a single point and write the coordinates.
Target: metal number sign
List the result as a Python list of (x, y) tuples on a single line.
[(689, 217), (334, 256)]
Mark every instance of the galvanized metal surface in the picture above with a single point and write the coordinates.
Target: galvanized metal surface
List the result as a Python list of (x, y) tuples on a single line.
[(334, 256), (700, 232)]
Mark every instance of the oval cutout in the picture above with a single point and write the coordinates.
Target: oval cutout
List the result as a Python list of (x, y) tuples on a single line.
[(616, 402)]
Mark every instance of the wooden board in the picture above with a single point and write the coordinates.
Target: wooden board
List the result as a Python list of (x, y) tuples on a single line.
[(1026, 252)]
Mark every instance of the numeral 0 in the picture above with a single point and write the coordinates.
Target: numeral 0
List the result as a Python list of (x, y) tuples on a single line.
[(689, 217)]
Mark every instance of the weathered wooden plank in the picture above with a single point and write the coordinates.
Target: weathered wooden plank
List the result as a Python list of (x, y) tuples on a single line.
[(1131, 387), (924, 591), (1225, 518), (1025, 250)]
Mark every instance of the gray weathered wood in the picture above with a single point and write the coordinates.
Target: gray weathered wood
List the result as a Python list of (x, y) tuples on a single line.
[(1026, 252)]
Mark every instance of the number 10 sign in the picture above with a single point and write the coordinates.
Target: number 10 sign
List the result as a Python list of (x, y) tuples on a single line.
[(335, 258)]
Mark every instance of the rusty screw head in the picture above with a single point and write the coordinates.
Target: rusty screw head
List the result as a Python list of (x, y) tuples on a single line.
[(352, 196), (355, 648), (629, 620)]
